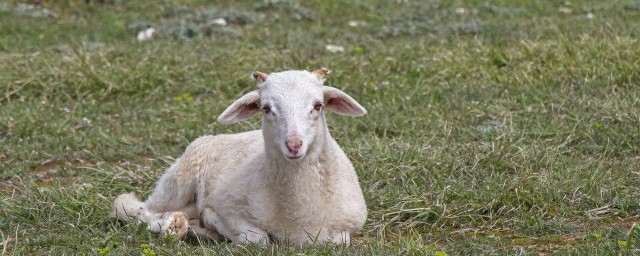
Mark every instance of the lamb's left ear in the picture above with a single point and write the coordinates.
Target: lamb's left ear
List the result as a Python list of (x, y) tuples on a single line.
[(341, 103), (241, 109)]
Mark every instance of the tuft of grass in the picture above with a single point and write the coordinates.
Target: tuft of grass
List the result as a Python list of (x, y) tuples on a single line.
[(496, 127)]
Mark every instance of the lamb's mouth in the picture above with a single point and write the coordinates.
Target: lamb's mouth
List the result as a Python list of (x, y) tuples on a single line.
[(294, 157)]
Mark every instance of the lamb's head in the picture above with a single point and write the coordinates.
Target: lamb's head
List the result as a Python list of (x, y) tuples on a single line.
[(292, 103)]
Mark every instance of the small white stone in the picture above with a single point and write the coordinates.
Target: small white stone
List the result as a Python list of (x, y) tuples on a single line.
[(589, 15), (146, 34), (219, 22), (460, 10), (334, 48), (141, 36), (565, 10), (356, 23)]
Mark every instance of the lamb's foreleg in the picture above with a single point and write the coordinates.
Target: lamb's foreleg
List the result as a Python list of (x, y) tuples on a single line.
[(234, 228)]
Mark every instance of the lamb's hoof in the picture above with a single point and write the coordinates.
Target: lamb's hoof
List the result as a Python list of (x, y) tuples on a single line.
[(175, 224), (200, 232)]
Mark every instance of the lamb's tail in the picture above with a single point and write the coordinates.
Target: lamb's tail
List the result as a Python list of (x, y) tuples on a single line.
[(128, 207)]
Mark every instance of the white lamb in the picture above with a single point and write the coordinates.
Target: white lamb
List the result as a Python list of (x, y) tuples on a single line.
[(289, 181)]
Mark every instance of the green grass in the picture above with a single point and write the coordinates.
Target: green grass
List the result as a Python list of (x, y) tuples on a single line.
[(510, 128)]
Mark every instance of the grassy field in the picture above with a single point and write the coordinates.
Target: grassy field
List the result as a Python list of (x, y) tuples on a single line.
[(494, 127)]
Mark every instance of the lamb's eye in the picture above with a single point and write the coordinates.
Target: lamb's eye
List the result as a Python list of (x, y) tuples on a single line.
[(318, 106), (266, 109)]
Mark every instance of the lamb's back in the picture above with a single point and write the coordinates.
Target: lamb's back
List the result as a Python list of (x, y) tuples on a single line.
[(209, 157)]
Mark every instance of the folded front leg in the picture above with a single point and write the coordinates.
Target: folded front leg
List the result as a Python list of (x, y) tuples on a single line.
[(174, 224), (234, 228)]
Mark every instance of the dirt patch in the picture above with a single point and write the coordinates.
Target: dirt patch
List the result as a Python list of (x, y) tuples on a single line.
[(46, 165), (618, 223), (5, 159)]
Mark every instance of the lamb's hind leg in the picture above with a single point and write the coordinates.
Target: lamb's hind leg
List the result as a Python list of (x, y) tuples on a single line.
[(171, 193), (163, 211), (171, 199), (127, 207)]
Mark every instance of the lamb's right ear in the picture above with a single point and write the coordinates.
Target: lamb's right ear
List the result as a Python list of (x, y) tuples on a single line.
[(242, 109), (341, 103)]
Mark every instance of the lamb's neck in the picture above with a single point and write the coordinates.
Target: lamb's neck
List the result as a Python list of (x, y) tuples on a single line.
[(300, 183), (308, 173)]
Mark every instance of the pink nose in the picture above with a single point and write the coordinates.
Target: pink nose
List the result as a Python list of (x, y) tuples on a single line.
[(293, 144)]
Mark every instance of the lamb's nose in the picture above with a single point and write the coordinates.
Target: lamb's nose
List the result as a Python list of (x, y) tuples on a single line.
[(293, 144)]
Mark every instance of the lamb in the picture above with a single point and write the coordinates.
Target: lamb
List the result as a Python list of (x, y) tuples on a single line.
[(289, 181)]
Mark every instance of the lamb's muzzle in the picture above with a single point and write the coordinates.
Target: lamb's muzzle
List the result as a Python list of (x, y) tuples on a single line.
[(293, 144)]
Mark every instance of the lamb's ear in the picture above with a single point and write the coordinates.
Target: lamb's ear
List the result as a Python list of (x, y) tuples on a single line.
[(242, 109), (341, 103)]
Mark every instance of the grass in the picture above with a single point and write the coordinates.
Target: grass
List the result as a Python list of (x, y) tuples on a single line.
[(501, 128)]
